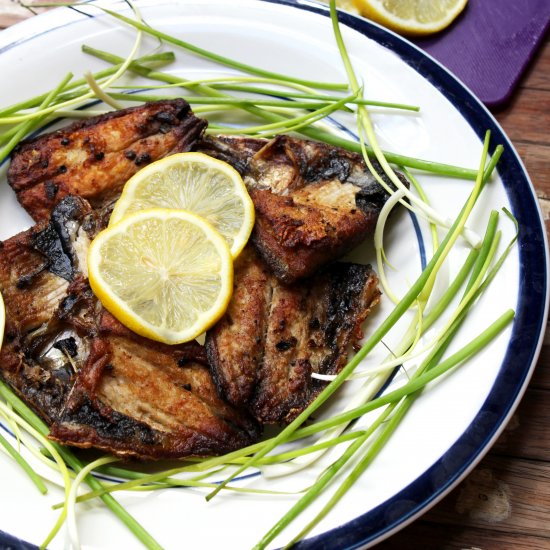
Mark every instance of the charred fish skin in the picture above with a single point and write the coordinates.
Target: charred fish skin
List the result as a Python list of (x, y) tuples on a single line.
[(314, 202), (305, 327), (137, 399), (236, 151), (38, 265), (235, 345), (311, 327), (93, 158), (41, 349)]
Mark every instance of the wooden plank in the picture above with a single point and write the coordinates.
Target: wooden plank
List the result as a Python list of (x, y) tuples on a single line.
[(526, 121), (536, 158), (527, 435), (429, 536), (538, 73), (502, 494), (541, 376), (522, 120)]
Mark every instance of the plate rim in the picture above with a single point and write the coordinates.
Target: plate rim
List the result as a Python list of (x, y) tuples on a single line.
[(494, 414)]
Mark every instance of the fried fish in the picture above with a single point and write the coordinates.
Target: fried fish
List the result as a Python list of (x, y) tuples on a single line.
[(275, 335), (139, 398), (93, 158), (295, 310), (38, 281), (314, 202)]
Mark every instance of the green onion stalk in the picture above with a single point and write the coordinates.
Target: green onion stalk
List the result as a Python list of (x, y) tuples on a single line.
[(423, 284), (312, 132), (442, 340), (408, 393), (14, 119), (25, 466), (29, 125), (152, 60), (213, 83), (398, 409), (424, 280), (35, 425), (141, 26)]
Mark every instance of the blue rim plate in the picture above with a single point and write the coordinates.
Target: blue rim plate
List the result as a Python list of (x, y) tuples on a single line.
[(363, 528)]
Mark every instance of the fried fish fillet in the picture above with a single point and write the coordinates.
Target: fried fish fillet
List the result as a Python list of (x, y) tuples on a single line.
[(134, 397), (93, 381), (314, 202), (274, 335), (287, 319), (93, 158)]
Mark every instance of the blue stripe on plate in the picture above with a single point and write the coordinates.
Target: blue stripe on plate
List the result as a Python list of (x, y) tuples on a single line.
[(7, 542)]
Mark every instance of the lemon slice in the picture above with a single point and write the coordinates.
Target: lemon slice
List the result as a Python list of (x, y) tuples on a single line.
[(198, 183), (165, 274), (412, 17)]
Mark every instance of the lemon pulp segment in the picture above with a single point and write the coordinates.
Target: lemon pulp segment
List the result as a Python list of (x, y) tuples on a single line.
[(198, 183), (165, 274)]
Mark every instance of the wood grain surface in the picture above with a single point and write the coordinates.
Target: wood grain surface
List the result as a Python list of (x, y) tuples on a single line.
[(504, 503)]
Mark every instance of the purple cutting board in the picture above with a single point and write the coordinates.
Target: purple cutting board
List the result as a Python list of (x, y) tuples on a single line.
[(490, 45)]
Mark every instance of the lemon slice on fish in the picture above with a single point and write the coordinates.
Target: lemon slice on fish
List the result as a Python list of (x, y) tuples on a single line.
[(412, 17), (198, 183), (165, 274)]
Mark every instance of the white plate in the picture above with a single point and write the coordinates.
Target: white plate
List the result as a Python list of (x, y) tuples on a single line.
[(450, 428)]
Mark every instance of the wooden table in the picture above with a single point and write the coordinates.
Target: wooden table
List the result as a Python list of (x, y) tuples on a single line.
[(505, 502)]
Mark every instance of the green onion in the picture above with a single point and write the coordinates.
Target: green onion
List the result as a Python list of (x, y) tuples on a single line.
[(220, 58), (311, 132), (42, 430), (424, 279), (404, 406), (25, 466), (152, 60), (237, 101), (316, 97), (57, 457), (29, 125), (99, 92), (290, 125), (157, 481), (392, 398), (39, 114), (214, 84), (71, 499)]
